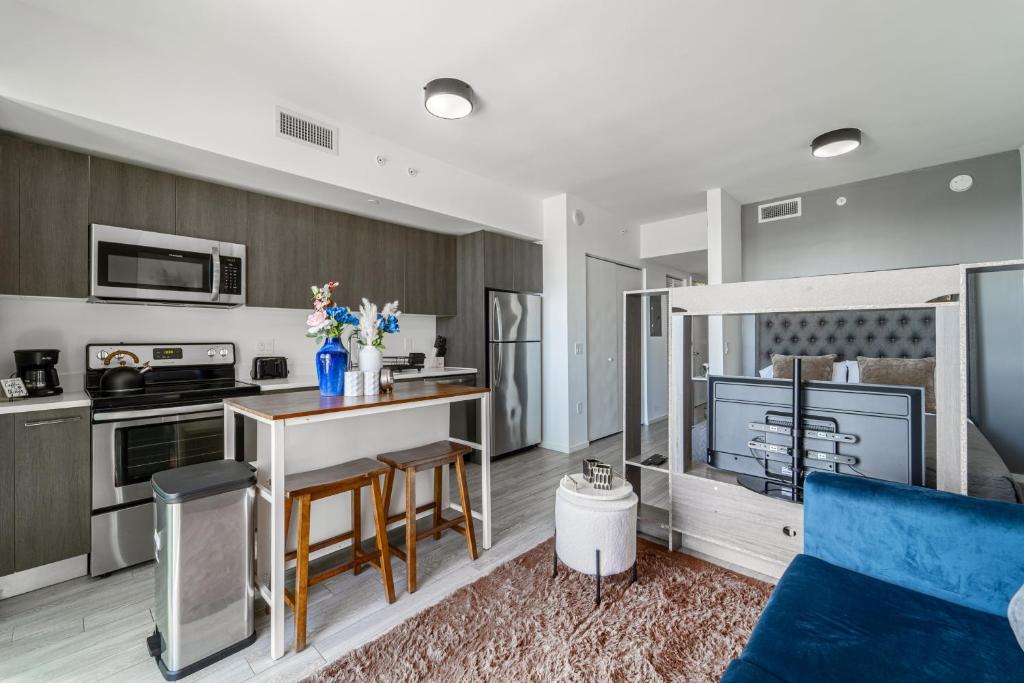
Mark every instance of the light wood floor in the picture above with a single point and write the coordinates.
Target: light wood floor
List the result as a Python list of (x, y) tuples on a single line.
[(95, 629)]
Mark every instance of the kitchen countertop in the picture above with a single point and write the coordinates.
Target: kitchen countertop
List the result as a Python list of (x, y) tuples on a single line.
[(69, 399), (308, 381), (305, 403)]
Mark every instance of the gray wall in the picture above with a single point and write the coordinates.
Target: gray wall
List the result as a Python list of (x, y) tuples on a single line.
[(900, 221), (997, 362)]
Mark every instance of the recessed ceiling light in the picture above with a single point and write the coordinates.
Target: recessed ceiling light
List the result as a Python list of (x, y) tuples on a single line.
[(836, 142), (448, 98)]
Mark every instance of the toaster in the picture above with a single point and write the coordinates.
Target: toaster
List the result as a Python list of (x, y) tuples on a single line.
[(269, 367)]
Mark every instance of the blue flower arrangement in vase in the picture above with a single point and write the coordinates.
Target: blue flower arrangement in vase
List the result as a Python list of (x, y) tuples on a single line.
[(326, 324)]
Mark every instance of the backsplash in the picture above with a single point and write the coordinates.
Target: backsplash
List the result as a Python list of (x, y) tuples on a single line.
[(68, 325)]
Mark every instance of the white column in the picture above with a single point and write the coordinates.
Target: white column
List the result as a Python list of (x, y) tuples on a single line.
[(725, 264)]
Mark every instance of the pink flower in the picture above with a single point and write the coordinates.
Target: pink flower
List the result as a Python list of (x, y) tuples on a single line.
[(317, 318)]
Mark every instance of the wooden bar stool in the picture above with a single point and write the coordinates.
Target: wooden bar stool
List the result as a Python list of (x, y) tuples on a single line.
[(436, 455), (305, 487)]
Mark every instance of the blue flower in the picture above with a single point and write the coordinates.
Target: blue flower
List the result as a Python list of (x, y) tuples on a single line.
[(341, 315)]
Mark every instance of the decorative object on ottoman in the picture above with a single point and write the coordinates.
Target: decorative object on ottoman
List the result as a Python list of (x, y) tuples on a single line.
[(326, 324), (595, 528), (588, 466), (601, 476)]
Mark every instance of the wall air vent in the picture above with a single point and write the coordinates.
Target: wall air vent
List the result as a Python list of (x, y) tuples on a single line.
[(307, 131), (779, 211)]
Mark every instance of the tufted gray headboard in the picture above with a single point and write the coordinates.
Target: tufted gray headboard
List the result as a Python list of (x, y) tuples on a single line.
[(894, 333)]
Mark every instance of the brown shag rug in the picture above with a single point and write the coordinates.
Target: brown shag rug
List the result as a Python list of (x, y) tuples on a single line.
[(684, 620)]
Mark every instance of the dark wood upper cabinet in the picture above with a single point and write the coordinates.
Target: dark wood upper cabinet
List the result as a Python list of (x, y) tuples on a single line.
[(52, 486), (6, 494), (430, 274), (130, 196), (370, 258), (529, 267), (10, 218), (281, 252), (211, 211), (499, 261), (54, 224)]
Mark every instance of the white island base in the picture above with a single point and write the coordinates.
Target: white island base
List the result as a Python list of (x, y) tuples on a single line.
[(303, 431)]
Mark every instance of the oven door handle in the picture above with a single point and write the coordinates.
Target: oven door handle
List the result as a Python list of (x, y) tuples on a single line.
[(155, 412)]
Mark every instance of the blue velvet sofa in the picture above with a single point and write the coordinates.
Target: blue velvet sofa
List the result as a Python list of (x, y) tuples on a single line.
[(896, 583)]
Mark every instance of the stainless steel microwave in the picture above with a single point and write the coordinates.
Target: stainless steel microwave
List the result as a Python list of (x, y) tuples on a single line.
[(139, 266)]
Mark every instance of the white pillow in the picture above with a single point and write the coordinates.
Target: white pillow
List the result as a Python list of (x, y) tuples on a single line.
[(767, 372), (852, 372), (839, 373)]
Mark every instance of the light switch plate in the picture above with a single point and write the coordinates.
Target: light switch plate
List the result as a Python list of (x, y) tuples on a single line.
[(264, 346), (579, 408), (579, 348)]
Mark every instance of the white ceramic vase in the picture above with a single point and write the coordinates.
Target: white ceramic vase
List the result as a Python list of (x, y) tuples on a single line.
[(370, 359)]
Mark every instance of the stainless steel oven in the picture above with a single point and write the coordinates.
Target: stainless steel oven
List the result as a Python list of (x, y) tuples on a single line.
[(152, 267), (128, 447)]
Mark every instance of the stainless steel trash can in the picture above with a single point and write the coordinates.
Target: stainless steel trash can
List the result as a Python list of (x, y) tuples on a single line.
[(204, 565)]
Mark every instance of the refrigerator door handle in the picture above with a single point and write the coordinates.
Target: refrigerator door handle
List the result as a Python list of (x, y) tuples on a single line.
[(497, 370), (496, 327)]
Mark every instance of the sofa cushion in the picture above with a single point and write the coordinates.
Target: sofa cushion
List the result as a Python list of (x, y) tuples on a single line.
[(825, 623), (742, 671)]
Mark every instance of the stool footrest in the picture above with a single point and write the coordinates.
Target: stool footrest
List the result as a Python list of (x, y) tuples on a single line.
[(398, 516), (452, 524), (320, 545)]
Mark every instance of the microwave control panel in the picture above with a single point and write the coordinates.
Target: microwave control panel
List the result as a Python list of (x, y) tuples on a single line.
[(230, 275)]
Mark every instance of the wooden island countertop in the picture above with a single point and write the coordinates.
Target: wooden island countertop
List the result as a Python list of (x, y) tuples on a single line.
[(285, 406)]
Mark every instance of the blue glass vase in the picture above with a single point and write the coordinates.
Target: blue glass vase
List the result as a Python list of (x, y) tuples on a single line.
[(331, 364)]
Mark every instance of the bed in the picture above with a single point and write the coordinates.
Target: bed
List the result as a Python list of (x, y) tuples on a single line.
[(876, 334)]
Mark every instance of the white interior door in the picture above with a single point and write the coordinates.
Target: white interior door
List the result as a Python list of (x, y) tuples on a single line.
[(606, 282)]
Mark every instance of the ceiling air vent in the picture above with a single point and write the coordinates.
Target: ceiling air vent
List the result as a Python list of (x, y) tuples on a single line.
[(306, 130), (778, 211)]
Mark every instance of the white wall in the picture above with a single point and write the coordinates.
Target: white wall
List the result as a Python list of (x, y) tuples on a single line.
[(190, 99), (68, 325), (566, 247), (725, 264), (674, 235)]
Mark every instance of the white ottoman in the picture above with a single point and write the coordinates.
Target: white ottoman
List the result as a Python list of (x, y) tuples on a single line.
[(595, 530)]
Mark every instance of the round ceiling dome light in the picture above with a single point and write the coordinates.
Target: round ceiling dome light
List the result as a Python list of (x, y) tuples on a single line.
[(448, 98), (836, 142)]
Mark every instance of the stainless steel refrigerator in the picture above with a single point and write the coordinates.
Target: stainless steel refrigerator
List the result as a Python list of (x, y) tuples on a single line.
[(513, 369)]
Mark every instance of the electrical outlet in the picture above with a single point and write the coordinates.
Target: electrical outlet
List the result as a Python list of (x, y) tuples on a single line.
[(264, 346), (579, 349), (579, 408)]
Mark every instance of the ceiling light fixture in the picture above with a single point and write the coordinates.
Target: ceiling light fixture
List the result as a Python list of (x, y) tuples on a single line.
[(448, 98), (836, 142)]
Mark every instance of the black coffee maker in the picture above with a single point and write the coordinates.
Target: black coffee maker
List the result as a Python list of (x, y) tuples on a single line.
[(37, 369)]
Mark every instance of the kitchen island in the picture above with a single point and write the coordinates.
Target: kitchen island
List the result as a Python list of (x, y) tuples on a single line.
[(302, 431)]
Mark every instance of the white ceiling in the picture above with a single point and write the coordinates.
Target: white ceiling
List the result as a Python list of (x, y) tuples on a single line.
[(637, 107)]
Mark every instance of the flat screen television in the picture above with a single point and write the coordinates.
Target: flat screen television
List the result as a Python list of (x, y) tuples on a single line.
[(861, 430)]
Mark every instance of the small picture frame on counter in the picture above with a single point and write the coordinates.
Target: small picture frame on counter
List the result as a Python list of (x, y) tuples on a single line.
[(13, 388)]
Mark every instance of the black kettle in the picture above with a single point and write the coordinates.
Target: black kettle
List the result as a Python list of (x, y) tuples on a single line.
[(124, 378)]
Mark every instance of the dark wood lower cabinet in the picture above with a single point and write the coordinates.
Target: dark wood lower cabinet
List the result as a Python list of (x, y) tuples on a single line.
[(6, 494), (51, 486)]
